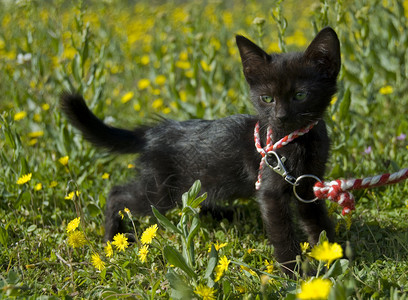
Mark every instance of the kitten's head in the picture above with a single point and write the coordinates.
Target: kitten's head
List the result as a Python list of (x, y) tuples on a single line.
[(291, 90)]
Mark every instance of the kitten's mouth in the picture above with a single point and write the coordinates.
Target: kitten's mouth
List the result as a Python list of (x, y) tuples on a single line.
[(281, 129)]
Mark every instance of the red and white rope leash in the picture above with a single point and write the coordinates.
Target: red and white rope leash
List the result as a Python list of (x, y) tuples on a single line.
[(270, 146), (336, 190)]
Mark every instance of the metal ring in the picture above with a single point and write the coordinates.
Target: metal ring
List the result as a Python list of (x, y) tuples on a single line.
[(297, 183)]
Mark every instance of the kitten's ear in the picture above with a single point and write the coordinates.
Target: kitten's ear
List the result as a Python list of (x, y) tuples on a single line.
[(324, 52), (252, 57)]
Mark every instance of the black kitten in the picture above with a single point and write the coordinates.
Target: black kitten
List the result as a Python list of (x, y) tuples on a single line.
[(289, 91)]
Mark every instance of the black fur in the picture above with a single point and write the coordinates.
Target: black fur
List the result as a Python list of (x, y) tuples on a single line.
[(221, 153)]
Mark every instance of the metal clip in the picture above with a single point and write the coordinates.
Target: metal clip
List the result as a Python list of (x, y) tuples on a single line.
[(280, 167)]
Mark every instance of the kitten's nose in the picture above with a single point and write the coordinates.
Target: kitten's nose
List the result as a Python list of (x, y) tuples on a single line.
[(282, 118), (281, 111), (282, 115)]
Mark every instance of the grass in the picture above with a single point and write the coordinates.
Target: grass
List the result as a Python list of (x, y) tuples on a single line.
[(139, 62)]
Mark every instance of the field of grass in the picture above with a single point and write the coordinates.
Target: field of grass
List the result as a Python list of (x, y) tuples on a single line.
[(139, 61)]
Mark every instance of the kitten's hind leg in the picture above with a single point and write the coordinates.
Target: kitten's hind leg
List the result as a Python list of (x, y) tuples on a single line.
[(134, 197)]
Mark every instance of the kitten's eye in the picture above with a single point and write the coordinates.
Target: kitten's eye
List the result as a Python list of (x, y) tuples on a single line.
[(266, 98), (300, 96)]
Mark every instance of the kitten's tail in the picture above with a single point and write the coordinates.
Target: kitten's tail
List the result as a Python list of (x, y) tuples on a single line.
[(94, 130)]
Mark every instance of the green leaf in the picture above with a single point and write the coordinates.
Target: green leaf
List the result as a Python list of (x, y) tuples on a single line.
[(180, 288), (338, 292), (12, 277), (192, 193), (345, 105), (195, 226), (175, 258), (31, 228), (93, 209), (212, 262), (165, 222), (3, 236), (154, 289), (339, 267), (226, 287), (197, 201), (76, 68), (322, 237)]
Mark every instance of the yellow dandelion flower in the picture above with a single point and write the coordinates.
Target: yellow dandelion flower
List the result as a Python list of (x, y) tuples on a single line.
[(105, 176), (131, 166), (53, 184), (144, 60), (218, 274), (207, 293), (183, 55), (252, 272), (149, 234), (76, 239), (63, 160), (215, 43), (304, 247), (120, 241), (73, 225), (298, 39), (143, 253), (156, 92), (45, 106), (232, 94), (97, 262), (386, 90), (20, 115), (160, 80), (38, 186), (24, 179), (184, 65), (315, 289), (224, 263), (183, 95), (274, 48), (143, 84), (32, 142), (157, 103), (36, 134), (128, 212), (37, 118), (121, 214), (127, 97), (221, 268), (206, 67), (327, 252), (269, 266), (217, 246), (137, 107), (108, 249), (71, 195), (166, 110), (189, 74), (250, 250)]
